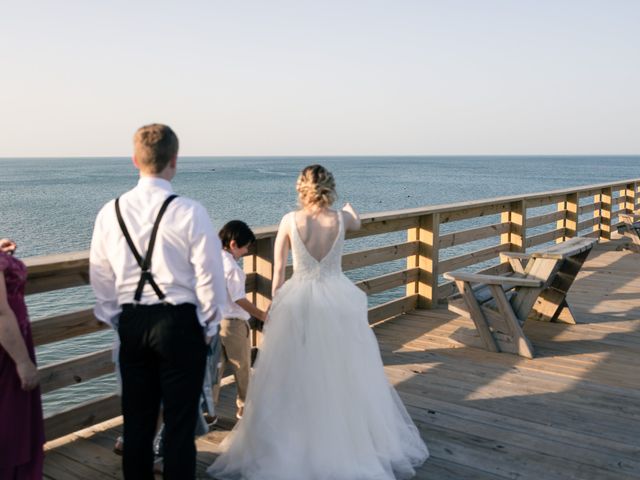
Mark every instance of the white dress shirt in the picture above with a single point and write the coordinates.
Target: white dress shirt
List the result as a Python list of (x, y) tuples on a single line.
[(236, 280), (186, 262)]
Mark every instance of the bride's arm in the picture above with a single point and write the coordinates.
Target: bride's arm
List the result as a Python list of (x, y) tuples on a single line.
[(351, 217), (280, 253)]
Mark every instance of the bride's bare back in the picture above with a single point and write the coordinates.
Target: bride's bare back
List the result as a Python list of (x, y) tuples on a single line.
[(318, 231)]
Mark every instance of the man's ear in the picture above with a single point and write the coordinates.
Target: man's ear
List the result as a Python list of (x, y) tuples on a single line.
[(233, 244), (135, 162), (174, 162)]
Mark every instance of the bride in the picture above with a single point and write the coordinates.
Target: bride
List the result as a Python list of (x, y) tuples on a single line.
[(319, 406)]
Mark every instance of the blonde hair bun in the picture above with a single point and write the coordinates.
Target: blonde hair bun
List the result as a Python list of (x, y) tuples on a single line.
[(316, 187)]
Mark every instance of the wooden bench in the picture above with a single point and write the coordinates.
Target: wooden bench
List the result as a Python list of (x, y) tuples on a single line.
[(535, 288), (630, 227)]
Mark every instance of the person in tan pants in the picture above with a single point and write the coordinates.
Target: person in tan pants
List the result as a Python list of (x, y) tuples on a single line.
[(236, 238)]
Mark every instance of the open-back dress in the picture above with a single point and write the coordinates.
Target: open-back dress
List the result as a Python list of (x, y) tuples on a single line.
[(319, 406)]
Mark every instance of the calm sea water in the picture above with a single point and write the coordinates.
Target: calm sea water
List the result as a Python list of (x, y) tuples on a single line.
[(49, 205)]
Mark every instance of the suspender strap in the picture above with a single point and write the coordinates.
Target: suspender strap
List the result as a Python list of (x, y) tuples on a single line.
[(144, 263)]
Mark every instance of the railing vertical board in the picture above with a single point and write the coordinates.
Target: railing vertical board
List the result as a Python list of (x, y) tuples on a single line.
[(429, 239), (264, 269), (413, 261), (569, 223), (630, 192), (571, 216), (261, 264), (561, 206), (604, 213), (516, 217)]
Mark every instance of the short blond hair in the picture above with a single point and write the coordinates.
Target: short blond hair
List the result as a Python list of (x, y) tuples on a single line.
[(316, 187), (154, 146)]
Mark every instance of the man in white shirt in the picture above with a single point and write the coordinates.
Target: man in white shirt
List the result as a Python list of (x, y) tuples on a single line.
[(157, 275)]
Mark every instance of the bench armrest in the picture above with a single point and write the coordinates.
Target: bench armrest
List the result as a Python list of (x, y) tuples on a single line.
[(518, 255), (492, 279), (627, 217), (515, 259)]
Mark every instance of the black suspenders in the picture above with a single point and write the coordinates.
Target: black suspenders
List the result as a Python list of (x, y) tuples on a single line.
[(145, 264)]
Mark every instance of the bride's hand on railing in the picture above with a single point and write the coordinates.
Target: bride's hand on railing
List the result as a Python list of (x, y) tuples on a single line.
[(351, 216), (349, 209)]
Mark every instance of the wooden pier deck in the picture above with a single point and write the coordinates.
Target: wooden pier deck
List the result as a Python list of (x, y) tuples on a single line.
[(573, 412)]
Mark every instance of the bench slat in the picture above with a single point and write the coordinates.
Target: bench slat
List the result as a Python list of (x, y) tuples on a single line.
[(492, 279)]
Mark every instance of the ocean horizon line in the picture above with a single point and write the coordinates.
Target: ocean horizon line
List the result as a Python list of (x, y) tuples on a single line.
[(275, 156)]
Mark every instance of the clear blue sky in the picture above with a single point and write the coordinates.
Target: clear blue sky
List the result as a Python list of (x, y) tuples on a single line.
[(322, 77)]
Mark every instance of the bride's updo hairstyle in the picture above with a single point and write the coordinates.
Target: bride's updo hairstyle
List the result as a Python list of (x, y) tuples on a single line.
[(316, 187)]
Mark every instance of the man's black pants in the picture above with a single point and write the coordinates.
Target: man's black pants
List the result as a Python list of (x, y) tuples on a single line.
[(162, 359)]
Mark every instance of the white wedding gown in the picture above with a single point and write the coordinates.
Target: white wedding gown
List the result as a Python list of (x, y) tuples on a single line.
[(319, 406)]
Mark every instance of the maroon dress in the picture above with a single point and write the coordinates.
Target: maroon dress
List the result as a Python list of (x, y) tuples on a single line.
[(21, 426)]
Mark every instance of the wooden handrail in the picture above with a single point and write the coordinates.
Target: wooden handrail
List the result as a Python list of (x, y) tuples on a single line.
[(509, 229)]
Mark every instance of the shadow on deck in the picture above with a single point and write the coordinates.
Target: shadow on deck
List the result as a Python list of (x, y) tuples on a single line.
[(573, 412)]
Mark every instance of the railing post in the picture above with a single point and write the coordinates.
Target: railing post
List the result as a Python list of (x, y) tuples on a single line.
[(630, 192), (603, 226), (264, 269), (560, 223), (427, 234), (413, 261), (260, 263), (636, 197), (570, 221), (516, 217)]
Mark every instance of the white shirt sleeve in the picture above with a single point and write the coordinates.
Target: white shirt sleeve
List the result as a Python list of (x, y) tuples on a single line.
[(205, 256), (102, 276), (236, 284)]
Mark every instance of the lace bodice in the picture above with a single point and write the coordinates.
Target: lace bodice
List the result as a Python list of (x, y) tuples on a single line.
[(304, 264)]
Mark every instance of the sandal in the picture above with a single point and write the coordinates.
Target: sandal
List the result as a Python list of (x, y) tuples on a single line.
[(118, 448)]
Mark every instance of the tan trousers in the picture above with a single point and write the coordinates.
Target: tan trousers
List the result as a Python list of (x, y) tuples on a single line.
[(236, 352)]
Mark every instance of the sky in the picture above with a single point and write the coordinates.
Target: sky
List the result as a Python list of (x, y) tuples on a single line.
[(323, 77)]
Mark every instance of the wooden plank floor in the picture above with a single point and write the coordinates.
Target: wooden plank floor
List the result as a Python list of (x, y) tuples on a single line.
[(573, 412)]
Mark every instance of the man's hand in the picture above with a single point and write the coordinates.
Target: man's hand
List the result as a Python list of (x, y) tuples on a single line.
[(210, 332)]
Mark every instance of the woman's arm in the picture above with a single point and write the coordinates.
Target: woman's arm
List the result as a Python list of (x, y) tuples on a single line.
[(280, 253), (351, 217), (12, 341)]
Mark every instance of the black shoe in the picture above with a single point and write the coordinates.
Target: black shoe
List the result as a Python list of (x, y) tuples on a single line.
[(211, 420)]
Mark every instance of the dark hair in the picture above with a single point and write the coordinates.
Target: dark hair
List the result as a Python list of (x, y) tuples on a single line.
[(236, 230)]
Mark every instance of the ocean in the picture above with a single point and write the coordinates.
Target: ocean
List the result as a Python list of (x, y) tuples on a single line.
[(48, 205)]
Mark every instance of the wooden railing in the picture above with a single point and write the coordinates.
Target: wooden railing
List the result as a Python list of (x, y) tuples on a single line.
[(438, 238)]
